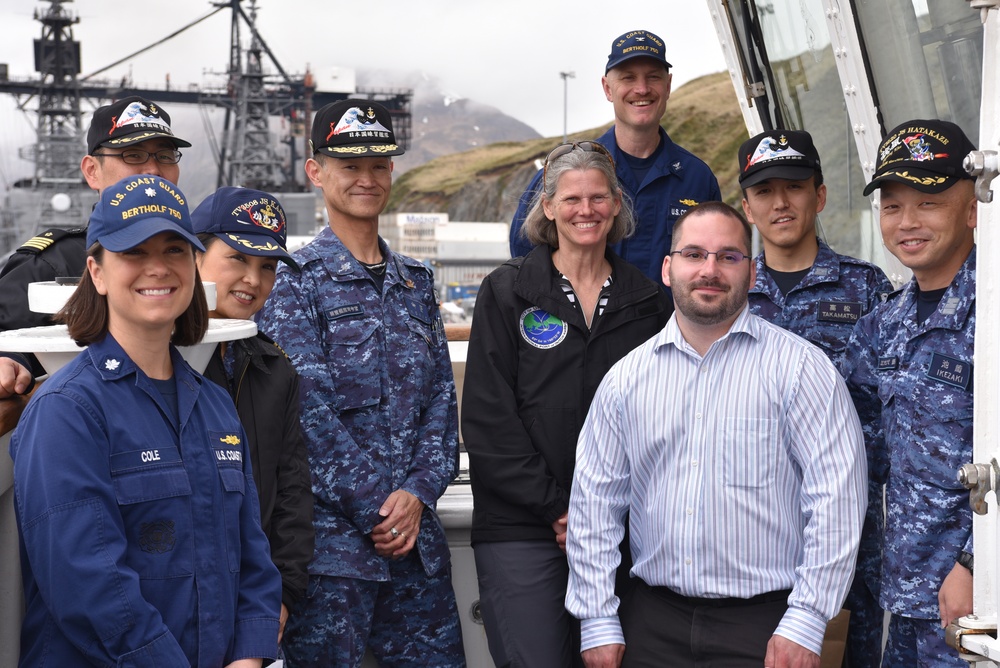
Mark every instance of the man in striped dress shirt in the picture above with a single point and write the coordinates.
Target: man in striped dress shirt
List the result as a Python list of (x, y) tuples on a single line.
[(735, 450)]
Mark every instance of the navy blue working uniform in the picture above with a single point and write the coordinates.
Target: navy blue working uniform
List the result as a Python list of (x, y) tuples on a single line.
[(378, 414), (168, 565), (920, 377), (823, 309), (677, 181)]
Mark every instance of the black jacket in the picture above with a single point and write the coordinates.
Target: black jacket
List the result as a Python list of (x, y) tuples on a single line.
[(524, 403), (266, 394), (51, 254)]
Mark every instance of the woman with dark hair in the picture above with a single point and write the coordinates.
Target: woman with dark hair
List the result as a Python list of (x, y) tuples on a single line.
[(140, 533), (546, 329), (243, 231)]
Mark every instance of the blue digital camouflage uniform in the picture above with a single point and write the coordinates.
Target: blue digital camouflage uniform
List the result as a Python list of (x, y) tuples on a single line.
[(919, 377), (823, 309), (826, 304), (378, 414)]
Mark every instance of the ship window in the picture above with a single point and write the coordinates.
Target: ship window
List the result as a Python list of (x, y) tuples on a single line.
[(789, 44), (926, 57)]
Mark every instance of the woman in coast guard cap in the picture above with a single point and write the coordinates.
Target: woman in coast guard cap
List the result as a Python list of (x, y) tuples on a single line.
[(140, 532)]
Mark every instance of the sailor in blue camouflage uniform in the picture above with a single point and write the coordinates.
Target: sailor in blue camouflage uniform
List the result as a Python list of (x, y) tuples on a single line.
[(912, 358), (379, 416), (807, 288)]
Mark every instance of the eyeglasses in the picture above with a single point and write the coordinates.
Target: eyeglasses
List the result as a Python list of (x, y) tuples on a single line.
[(695, 255), (564, 149), (136, 156)]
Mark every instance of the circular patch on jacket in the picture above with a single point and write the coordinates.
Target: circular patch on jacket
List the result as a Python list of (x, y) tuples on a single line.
[(541, 329), (157, 537)]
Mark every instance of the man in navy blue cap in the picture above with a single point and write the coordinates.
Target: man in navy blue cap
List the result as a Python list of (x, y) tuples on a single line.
[(662, 179), (129, 136)]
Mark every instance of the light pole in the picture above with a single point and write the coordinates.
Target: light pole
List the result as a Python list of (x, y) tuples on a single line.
[(565, 77)]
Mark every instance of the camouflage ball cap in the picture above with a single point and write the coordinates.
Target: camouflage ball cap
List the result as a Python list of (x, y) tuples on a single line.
[(247, 220), (137, 208), (354, 129), (926, 155)]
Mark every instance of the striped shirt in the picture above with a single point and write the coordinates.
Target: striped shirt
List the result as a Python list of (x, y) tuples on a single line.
[(602, 298), (743, 470)]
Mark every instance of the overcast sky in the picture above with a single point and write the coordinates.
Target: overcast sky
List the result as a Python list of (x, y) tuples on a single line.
[(505, 54)]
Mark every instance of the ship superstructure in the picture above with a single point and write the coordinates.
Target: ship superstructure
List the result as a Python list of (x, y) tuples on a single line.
[(248, 153)]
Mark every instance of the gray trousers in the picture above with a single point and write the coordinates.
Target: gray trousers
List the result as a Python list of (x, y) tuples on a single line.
[(522, 592)]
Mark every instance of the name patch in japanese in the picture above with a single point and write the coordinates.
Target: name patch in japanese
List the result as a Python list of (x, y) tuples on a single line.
[(849, 312), (345, 311), (888, 363), (950, 371)]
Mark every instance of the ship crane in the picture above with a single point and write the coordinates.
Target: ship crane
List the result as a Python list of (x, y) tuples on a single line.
[(248, 153)]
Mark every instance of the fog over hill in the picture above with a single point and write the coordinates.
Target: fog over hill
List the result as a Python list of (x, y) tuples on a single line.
[(443, 124)]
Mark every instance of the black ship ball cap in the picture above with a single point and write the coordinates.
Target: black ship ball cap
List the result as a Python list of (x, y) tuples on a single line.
[(778, 154), (128, 121), (926, 155), (354, 129), (247, 220), (636, 44)]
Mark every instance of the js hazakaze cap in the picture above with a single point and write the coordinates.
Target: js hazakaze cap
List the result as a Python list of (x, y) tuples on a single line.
[(128, 121), (137, 208), (926, 155), (354, 129), (247, 220), (778, 154), (636, 44)]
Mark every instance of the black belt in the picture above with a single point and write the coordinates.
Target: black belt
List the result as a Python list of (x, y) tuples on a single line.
[(767, 597)]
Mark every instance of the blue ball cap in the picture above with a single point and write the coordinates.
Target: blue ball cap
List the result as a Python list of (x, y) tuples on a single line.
[(250, 221), (136, 208), (636, 44)]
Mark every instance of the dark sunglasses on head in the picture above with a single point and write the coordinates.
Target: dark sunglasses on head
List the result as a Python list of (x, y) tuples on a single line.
[(569, 147)]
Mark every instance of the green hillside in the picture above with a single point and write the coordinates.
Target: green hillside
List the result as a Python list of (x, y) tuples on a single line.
[(483, 184)]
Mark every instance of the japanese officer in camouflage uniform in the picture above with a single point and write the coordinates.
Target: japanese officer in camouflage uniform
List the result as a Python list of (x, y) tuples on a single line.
[(911, 357), (807, 288), (379, 416)]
